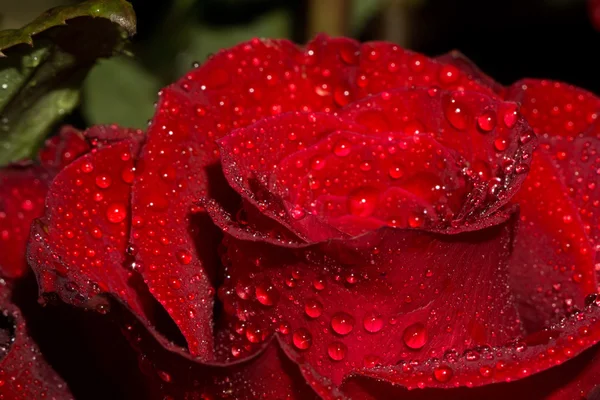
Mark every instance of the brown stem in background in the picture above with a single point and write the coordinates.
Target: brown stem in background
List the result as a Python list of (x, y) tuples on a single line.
[(397, 17), (328, 16)]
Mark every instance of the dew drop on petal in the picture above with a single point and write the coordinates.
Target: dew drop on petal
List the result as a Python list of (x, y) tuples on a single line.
[(456, 114), (362, 202), (510, 116), (500, 144), (253, 334), (485, 372), (302, 339), (174, 283), (337, 351), (396, 172), (443, 373), (313, 308), (486, 121), (184, 257), (103, 181), (341, 148), (342, 323), (116, 213), (415, 336), (266, 294), (449, 74), (319, 284), (373, 322)]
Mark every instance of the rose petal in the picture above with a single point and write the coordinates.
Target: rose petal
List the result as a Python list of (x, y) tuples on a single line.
[(269, 77), (77, 250), (178, 161), (594, 13), (543, 351), (579, 162), (270, 373), (555, 108), (62, 149), (23, 188), (24, 373), (377, 183), (251, 155), (304, 160), (577, 378), (385, 66), (471, 70), (336, 302), (489, 134), (554, 259)]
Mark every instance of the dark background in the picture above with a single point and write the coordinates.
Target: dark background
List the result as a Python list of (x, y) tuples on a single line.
[(508, 39)]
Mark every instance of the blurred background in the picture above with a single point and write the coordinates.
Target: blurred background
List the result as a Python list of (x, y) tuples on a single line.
[(507, 39)]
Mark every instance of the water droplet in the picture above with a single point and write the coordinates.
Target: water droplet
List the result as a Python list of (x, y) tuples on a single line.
[(116, 213), (373, 322), (510, 115), (349, 54), (174, 283), (487, 121), (302, 339), (319, 284), (297, 212), (456, 114), (396, 172), (165, 376), (337, 351), (415, 336), (443, 373), (449, 74), (317, 163), (103, 181), (500, 144), (184, 257), (371, 361), (342, 323), (284, 328), (417, 62), (266, 294), (128, 174), (168, 173), (415, 220), (87, 167), (342, 148), (341, 96), (363, 202), (254, 334), (313, 308)]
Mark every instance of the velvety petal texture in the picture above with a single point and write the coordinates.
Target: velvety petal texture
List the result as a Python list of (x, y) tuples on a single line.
[(24, 374), (334, 221), (555, 258), (78, 249), (23, 188)]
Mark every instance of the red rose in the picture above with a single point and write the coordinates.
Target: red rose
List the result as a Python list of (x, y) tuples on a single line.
[(341, 221)]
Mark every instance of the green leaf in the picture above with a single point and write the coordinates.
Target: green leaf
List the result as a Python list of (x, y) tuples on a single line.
[(123, 91), (120, 91), (43, 64)]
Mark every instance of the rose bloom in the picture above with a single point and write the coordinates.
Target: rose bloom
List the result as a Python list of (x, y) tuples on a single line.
[(334, 221)]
